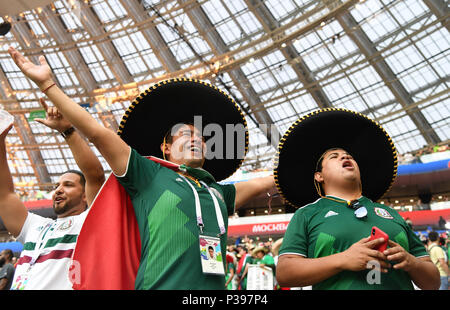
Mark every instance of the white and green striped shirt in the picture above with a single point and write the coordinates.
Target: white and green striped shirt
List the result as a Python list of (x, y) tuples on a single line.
[(46, 259)]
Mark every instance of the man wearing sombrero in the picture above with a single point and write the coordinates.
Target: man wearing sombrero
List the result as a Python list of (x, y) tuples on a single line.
[(335, 164), (181, 210)]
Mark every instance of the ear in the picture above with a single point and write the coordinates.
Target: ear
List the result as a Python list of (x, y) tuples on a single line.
[(165, 148), (318, 177), (84, 197)]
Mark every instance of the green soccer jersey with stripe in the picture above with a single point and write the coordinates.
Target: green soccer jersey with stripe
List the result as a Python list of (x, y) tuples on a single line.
[(327, 227), (165, 211)]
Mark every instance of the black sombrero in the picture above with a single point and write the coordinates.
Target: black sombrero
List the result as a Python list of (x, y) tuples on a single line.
[(154, 112), (310, 136), (5, 27)]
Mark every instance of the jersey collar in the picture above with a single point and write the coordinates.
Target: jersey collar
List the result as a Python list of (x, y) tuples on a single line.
[(199, 173)]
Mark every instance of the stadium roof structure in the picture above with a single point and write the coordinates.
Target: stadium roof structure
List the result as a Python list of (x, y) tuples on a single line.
[(279, 60)]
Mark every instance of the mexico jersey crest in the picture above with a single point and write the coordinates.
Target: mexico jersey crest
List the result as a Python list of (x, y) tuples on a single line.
[(383, 213), (66, 225)]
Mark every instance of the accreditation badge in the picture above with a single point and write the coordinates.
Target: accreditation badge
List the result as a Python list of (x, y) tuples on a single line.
[(211, 255), (20, 282)]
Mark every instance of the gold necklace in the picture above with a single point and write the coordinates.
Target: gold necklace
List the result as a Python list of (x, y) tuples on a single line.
[(192, 178), (342, 200), (348, 202), (360, 210)]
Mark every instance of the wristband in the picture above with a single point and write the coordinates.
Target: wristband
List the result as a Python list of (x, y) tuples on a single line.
[(45, 90), (67, 132)]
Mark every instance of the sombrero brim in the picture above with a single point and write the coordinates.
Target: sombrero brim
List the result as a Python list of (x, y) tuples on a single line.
[(259, 249), (310, 136), (5, 27), (167, 103)]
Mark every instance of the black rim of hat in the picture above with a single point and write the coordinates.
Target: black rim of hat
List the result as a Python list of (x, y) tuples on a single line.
[(5, 27), (311, 135), (167, 103)]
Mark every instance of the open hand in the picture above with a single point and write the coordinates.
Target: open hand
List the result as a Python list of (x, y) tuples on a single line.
[(40, 74), (398, 254)]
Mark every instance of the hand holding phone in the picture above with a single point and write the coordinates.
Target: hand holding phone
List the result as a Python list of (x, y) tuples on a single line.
[(376, 233)]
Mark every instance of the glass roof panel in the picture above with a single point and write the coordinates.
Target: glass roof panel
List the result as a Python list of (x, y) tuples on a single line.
[(405, 38)]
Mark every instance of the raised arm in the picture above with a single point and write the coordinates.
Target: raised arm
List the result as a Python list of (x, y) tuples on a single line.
[(85, 158), (110, 145), (249, 189), (12, 211)]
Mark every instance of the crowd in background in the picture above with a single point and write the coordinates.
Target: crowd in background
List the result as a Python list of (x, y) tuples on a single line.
[(248, 251), (438, 247), (414, 157), (31, 195), (403, 159)]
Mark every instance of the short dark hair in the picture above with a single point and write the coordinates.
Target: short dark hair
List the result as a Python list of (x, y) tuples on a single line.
[(80, 174), (433, 236), (9, 253)]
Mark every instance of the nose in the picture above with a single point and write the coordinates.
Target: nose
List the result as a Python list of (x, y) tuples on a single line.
[(345, 156), (196, 138), (59, 189)]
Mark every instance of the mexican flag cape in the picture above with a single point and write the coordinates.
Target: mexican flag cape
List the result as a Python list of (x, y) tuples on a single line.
[(108, 248)]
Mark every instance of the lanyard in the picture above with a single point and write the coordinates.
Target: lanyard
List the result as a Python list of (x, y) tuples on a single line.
[(217, 207), (198, 209), (44, 236)]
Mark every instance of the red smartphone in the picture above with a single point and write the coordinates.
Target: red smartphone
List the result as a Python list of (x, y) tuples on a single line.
[(377, 233)]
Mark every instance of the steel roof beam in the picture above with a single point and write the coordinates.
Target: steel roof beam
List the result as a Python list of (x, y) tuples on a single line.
[(301, 69), (360, 38), (154, 38), (205, 27), (115, 63), (58, 32)]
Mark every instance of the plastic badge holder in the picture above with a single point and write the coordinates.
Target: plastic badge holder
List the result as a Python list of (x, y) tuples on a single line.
[(6, 119)]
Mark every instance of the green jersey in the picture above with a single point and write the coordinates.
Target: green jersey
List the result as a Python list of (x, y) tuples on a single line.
[(327, 227), (164, 205), (266, 260)]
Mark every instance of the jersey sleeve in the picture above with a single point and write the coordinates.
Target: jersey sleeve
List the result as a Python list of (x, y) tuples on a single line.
[(295, 240), (139, 174), (32, 220), (229, 196), (231, 266), (416, 247), (268, 260)]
